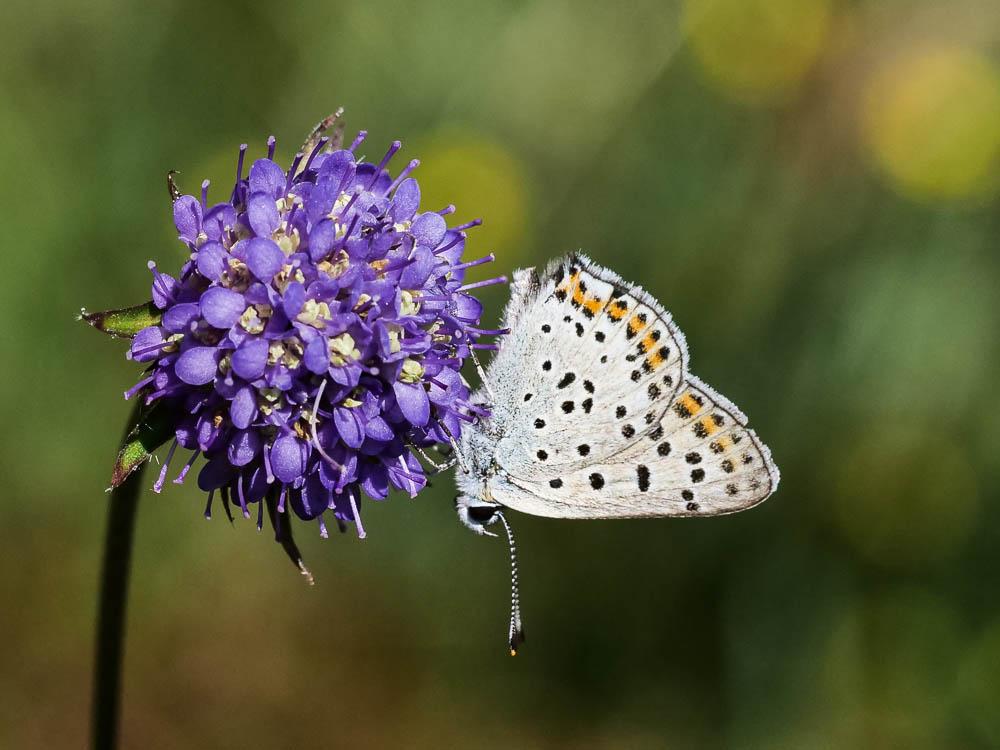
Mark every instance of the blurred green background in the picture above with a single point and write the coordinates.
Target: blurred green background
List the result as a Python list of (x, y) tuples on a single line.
[(810, 186)]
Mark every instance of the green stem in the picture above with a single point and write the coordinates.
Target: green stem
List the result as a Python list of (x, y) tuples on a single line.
[(114, 598)]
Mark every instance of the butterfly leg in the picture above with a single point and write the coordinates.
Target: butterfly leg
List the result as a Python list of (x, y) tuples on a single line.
[(482, 373), (436, 467)]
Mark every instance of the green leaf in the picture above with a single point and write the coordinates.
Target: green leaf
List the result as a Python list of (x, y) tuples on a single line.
[(125, 322), (154, 428)]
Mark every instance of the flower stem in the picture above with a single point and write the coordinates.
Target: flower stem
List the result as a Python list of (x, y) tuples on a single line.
[(114, 598)]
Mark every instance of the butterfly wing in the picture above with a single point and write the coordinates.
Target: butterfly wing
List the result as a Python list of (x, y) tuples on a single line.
[(587, 356), (600, 417)]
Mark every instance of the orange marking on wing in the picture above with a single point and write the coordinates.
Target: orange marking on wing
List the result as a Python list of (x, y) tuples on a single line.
[(648, 341), (721, 445), (635, 325), (692, 406), (654, 360), (709, 425), (594, 305), (570, 283), (578, 295), (617, 310)]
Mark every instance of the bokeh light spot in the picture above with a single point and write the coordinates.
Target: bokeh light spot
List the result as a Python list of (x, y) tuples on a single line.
[(756, 50), (931, 120), (905, 495), (484, 180)]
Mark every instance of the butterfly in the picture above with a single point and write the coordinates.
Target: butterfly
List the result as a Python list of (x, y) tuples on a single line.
[(594, 414)]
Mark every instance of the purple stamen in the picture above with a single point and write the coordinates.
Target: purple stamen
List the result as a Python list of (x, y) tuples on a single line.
[(163, 392), (162, 286), (139, 386), (267, 464), (239, 174), (485, 347), (186, 468), (444, 248), (449, 209), (403, 175), (469, 224), (474, 408), (487, 331), (479, 284), (485, 259), (281, 498), (208, 505), (271, 143), (357, 515), (322, 528), (396, 145), (239, 163), (358, 140), (243, 500), (204, 193), (147, 349), (260, 515), (160, 480), (292, 169), (315, 152), (350, 229)]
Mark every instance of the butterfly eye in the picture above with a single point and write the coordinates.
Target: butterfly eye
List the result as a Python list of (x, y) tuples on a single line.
[(481, 514)]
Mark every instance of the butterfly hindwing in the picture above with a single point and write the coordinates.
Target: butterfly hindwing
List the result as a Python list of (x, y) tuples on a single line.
[(700, 459)]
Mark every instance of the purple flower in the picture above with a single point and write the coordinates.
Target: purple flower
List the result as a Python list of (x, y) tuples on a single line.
[(315, 336)]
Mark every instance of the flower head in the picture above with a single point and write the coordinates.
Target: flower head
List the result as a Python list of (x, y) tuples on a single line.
[(315, 336)]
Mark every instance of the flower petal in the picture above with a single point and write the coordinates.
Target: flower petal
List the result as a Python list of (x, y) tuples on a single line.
[(179, 317), (428, 229), (264, 258), (211, 260), (406, 200), (222, 307), (243, 408), (198, 365), (267, 177), (322, 238), (413, 402), (287, 459), (187, 218), (349, 426), (317, 356), (262, 214), (243, 447), (250, 359)]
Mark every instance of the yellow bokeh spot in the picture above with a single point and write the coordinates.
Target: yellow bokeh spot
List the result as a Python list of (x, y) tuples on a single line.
[(756, 50), (904, 498), (483, 180), (931, 119)]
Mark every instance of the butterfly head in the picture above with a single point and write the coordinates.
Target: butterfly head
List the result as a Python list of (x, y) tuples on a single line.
[(477, 514)]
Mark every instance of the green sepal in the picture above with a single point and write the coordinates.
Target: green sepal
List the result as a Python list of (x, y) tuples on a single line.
[(155, 426), (125, 322)]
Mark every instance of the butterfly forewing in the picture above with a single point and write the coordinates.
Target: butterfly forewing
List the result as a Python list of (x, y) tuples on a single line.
[(600, 360)]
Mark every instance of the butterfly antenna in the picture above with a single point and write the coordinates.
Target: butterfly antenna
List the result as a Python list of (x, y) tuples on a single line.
[(515, 635)]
